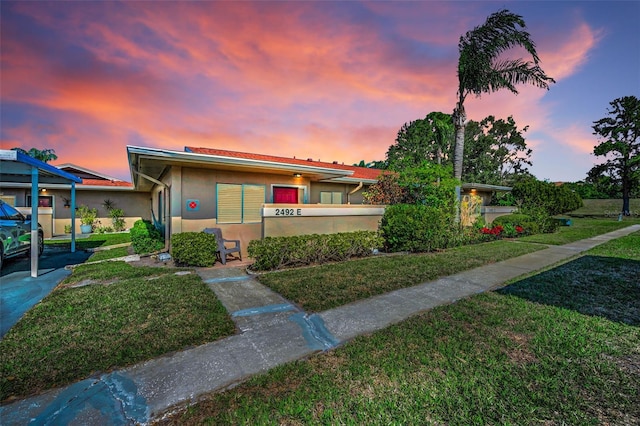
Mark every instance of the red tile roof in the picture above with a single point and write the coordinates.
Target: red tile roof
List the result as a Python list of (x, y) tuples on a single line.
[(358, 172), (102, 182)]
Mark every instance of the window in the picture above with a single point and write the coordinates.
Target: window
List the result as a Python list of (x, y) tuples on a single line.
[(43, 201), (9, 199), (327, 197), (239, 203)]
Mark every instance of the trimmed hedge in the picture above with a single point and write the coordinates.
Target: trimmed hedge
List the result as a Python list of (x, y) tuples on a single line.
[(145, 238), (531, 193), (274, 253), (194, 249), (416, 228)]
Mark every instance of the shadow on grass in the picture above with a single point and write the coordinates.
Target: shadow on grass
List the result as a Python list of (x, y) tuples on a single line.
[(608, 287)]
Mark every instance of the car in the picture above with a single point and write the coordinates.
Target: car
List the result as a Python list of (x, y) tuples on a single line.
[(15, 233)]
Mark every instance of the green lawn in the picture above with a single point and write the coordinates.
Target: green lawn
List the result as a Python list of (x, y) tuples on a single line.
[(109, 254), (123, 316), (327, 286), (545, 350), (606, 208), (92, 241), (580, 229)]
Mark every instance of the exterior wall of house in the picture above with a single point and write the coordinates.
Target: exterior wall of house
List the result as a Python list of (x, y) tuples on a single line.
[(54, 219), (491, 212), (343, 188), (198, 185), (294, 219)]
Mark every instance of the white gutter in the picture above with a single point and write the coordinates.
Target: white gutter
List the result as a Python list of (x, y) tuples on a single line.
[(167, 230)]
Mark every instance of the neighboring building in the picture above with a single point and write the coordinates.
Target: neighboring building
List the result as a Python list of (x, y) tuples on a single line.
[(54, 200), (487, 211), (252, 196)]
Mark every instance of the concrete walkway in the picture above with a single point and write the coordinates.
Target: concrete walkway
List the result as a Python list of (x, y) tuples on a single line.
[(273, 332)]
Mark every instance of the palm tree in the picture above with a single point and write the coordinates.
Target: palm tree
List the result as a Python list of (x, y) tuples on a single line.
[(44, 155), (482, 69)]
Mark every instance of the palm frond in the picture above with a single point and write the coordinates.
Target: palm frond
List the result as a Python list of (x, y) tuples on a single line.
[(480, 69)]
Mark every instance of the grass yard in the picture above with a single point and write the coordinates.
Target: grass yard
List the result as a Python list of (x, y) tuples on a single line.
[(580, 229), (606, 208), (92, 241), (324, 287), (554, 348), (109, 254), (117, 315)]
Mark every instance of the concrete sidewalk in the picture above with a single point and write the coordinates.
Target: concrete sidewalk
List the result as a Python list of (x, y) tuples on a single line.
[(273, 332)]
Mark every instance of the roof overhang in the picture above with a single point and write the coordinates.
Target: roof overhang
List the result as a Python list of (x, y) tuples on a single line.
[(16, 167), (485, 187), (154, 162)]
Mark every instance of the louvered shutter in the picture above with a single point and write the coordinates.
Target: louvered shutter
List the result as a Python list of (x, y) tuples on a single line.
[(253, 198), (229, 203)]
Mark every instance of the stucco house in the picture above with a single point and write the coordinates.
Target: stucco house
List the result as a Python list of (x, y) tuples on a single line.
[(249, 196), (252, 196)]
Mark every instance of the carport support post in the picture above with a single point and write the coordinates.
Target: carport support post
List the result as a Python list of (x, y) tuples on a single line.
[(34, 222), (73, 217)]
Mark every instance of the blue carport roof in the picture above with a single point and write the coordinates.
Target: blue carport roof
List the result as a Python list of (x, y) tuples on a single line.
[(17, 167)]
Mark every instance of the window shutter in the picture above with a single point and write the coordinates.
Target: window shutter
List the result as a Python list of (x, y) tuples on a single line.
[(253, 199), (229, 203)]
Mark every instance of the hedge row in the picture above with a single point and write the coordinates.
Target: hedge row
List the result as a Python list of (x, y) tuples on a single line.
[(534, 194), (416, 228), (145, 238), (194, 249), (272, 253), (536, 222)]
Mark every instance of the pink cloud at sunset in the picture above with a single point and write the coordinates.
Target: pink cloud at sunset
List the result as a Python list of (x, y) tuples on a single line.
[(331, 81)]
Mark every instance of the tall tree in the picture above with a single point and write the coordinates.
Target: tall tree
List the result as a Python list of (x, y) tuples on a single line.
[(495, 150), (430, 138), (44, 155), (620, 135), (483, 69)]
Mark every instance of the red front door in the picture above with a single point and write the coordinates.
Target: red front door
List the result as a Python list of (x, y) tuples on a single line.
[(285, 195)]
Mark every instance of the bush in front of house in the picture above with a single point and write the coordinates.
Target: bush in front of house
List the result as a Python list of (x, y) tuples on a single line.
[(514, 220), (416, 228), (272, 253), (194, 249), (145, 238)]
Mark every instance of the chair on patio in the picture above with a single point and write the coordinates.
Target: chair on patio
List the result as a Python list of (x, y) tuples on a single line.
[(223, 251)]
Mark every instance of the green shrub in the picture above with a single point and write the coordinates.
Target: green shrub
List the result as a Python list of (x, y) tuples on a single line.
[(532, 193), (515, 219), (273, 253), (416, 228), (117, 220), (541, 221), (194, 249), (527, 222), (145, 238)]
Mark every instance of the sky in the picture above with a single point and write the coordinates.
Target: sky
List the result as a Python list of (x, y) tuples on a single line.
[(331, 80)]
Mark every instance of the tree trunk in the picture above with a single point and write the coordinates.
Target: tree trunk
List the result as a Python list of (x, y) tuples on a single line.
[(625, 200), (459, 120)]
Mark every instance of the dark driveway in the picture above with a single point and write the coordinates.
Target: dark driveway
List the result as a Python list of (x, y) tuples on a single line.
[(19, 291)]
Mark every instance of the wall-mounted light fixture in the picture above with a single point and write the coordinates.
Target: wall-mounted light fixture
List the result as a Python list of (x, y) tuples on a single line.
[(297, 175), (43, 190)]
